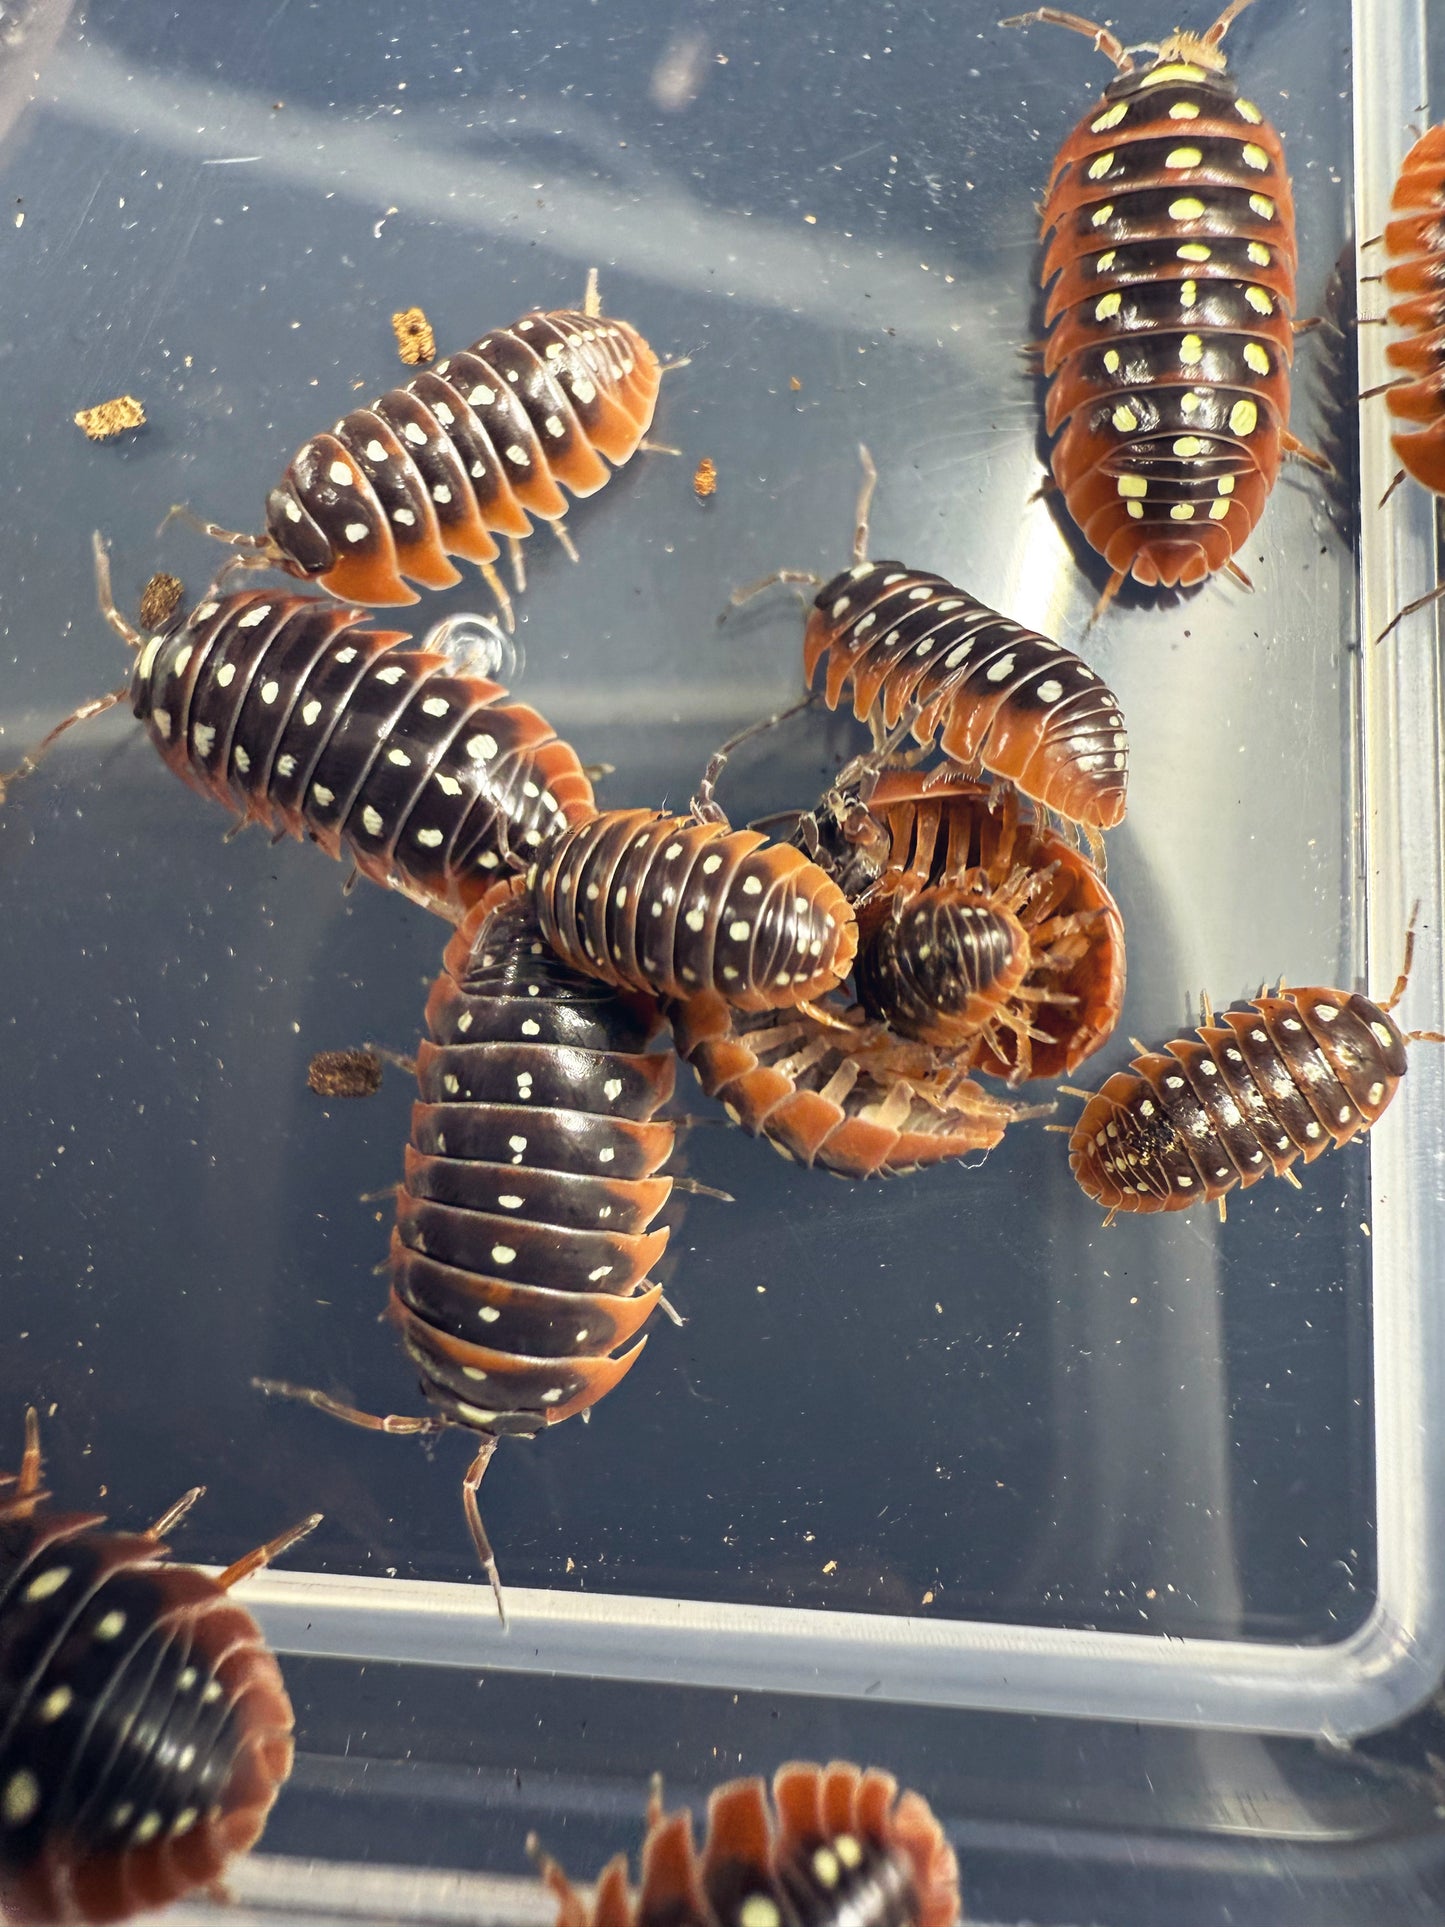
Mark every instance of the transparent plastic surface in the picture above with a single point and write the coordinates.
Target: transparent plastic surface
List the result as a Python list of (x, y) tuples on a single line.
[(944, 1442)]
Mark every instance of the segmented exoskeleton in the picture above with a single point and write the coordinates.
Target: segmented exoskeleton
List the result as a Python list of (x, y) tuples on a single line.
[(1169, 225), (465, 451), (522, 1244), (843, 1849), (1291, 1075), (144, 1728)]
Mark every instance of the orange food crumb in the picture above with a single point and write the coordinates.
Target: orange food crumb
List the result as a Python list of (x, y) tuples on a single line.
[(704, 478)]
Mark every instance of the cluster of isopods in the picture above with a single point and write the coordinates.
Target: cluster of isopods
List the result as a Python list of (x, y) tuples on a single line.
[(939, 915)]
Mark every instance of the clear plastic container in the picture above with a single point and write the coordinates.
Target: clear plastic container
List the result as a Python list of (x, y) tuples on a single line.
[(1093, 1536)]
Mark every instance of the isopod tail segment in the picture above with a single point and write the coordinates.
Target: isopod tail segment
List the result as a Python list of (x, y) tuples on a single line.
[(146, 1730), (523, 1239), (1291, 1075), (1169, 260), (473, 448), (838, 1844)]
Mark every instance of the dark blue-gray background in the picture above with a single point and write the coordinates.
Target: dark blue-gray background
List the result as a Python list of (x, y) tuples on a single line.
[(956, 1389)]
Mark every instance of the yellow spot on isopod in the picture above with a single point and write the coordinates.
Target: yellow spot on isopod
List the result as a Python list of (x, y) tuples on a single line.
[(1182, 512), (1109, 306), (1218, 511), (1135, 511), (1190, 400), (1184, 110), (1132, 485), (1176, 70), (1188, 293), (1125, 420), (1188, 445), (1111, 360), (1259, 254), (1243, 418), (1186, 208), (1247, 110), (1258, 299), (1100, 166), (1191, 350), (1255, 156), (1263, 206), (1225, 485), (1102, 215), (1183, 157), (1192, 251), (1109, 118), (1105, 261), (1256, 358)]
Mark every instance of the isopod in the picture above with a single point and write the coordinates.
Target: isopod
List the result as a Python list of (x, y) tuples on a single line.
[(463, 452), (522, 1243), (1169, 225), (840, 1848), (1039, 986), (290, 713), (830, 1090), (670, 905), (144, 1728), (1291, 1075)]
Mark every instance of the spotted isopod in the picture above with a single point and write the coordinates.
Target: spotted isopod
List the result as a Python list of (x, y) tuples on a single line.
[(839, 1848), (522, 1244), (1287, 1077), (144, 1728), (467, 450), (1170, 244)]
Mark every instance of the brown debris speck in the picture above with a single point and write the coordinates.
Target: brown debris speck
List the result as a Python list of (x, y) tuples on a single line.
[(704, 478), (795, 384), (415, 342), (344, 1073), (109, 418), (159, 600)]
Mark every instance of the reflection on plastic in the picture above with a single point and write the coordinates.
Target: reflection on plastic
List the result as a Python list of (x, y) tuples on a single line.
[(478, 646)]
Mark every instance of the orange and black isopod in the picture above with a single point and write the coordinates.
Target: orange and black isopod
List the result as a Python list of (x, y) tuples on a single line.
[(292, 713), (144, 1727), (468, 450), (523, 1235), (839, 1848), (1289, 1076), (1170, 235), (670, 905)]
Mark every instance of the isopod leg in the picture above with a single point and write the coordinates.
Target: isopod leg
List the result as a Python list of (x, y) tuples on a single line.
[(740, 597), (169, 1520), (104, 596), (263, 1555), (27, 1479), (1293, 446), (471, 1481), (865, 504), (1225, 21), (569, 547), (519, 566), (1410, 609), (1105, 42), (591, 299), (704, 808), (504, 601), (400, 1424), (82, 715), (233, 538), (1111, 589)]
